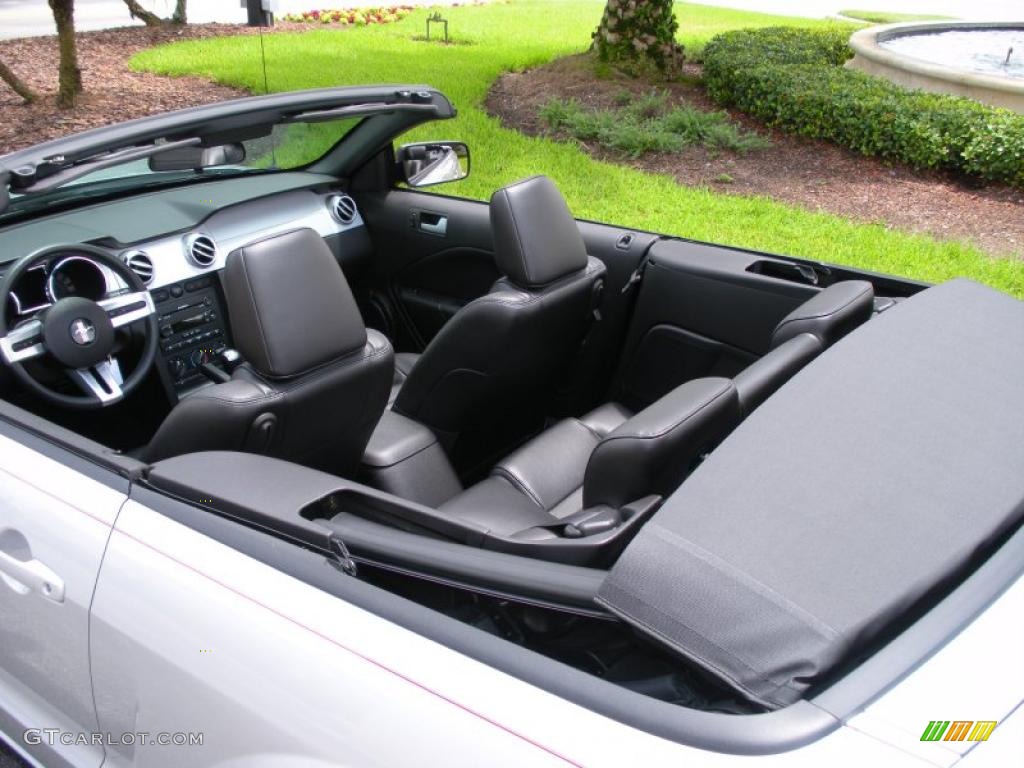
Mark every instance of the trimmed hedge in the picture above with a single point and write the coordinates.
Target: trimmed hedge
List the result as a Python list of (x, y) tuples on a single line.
[(794, 80)]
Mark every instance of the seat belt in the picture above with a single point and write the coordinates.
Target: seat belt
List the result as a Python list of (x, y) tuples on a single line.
[(641, 267)]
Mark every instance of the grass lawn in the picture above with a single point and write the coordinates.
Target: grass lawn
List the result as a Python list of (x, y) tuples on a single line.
[(527, 33)]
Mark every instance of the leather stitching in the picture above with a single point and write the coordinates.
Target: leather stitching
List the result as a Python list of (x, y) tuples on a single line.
[(256, 311), (520, 253), (725, 389), (520, 484)]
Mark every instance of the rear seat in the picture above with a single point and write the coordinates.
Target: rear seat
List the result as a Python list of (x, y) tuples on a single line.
[(802, 335), (575, 478)]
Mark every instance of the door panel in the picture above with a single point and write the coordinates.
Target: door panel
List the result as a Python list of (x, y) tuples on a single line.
[(430, 291), (423, 272), (700, 312), (54, 526), (708, 310)]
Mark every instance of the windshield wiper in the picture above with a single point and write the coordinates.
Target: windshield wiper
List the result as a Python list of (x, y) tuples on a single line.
[(95, 163)]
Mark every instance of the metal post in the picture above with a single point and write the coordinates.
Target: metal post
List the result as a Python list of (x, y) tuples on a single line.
[(256, 16)]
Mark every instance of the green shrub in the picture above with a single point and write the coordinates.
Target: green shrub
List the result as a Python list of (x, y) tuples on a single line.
[(793, 79), (648, 123)]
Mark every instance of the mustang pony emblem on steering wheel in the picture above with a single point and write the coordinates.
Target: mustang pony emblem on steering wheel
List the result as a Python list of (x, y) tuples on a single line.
[(83, 332)]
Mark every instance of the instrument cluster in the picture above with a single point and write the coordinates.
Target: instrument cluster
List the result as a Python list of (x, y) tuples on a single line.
[(62, 275)]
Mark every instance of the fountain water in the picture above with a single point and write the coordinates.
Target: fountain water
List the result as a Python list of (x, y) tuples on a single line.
[(972, 59)]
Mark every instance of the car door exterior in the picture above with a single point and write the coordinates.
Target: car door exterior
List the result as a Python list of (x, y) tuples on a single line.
[(204, 656), (195, 642), (54, 525), (193, 638)]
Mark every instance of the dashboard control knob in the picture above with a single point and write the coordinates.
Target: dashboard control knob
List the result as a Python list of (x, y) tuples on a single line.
[(200, 356), (177, 367)]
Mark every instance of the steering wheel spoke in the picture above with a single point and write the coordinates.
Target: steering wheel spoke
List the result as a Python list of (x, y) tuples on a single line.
[(77, 334), (102, 380), (23, 343), (128, 307)]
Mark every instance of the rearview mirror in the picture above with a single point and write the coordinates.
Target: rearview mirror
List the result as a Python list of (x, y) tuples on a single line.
[(196, 158), (436, 162)]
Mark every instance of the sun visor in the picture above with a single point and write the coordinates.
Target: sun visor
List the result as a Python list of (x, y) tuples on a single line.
[(863, 489)]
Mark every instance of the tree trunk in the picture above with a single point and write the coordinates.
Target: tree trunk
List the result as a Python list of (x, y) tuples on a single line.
[(148, 18), (70, 75), (638, 33), (16, 84), (180, 16)]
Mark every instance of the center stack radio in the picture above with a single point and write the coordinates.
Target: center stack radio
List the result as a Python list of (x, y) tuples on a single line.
[(192, 330)]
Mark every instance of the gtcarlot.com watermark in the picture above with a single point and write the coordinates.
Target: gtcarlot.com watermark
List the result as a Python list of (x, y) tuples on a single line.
[(55, 736)]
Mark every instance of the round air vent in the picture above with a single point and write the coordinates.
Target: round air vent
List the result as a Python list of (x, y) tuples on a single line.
[(343, 208), (140, 263), (200, 249)]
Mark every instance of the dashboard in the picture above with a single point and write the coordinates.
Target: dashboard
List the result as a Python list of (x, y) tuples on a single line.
[(180, 268)]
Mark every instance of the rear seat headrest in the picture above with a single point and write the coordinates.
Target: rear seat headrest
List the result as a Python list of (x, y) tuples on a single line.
[(830, 314)]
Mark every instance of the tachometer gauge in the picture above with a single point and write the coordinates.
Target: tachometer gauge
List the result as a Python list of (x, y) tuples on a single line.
[(76, 276)]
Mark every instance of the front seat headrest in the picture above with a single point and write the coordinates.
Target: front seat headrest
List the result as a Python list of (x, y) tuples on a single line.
[(830, 314), (290, 305), (536, 240)]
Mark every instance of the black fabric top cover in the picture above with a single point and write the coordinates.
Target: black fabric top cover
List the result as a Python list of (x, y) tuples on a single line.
[(536, 240), (861, 489), (290, 305)]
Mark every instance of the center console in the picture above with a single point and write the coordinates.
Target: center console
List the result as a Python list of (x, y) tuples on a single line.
[(193, 329)]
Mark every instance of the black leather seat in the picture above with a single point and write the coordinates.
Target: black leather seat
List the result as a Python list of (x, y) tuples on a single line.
[(592, 467), (315, 381), (802, 335), (499, 356), (581, 471)]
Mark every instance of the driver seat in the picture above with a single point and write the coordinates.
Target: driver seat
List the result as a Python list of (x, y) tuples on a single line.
[(315, 381)]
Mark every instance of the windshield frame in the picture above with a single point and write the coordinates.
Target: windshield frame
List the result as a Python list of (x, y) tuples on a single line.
[(383, 112)]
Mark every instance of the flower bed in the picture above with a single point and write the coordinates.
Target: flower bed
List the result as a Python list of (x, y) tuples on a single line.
[(351, 16)]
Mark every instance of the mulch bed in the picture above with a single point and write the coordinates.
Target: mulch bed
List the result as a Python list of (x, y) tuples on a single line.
[(813, 174), (113, 93)]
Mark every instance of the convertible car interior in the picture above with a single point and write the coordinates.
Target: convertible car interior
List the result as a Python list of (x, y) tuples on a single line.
[(571, 435)]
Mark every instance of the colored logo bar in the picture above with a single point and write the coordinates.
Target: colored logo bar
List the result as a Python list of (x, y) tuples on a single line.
[(958, 730)]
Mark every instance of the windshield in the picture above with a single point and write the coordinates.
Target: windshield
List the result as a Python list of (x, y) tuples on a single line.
[(285, 147)]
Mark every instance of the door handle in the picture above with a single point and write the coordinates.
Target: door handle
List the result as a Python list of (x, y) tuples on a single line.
[(24, 576), (434, 223)]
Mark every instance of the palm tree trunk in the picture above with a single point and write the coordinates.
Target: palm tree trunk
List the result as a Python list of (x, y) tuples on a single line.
[(635, 33)]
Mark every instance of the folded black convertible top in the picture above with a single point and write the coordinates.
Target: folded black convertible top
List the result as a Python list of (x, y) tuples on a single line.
[(861, 489)]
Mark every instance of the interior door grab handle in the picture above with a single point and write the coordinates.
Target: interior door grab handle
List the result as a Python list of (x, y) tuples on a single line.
[(434, 223), (31, 575)]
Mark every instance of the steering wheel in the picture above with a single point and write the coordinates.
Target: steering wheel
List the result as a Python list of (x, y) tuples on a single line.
[(79, 334)]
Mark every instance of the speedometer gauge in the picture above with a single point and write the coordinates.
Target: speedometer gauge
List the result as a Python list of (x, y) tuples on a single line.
[(76, 276)]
